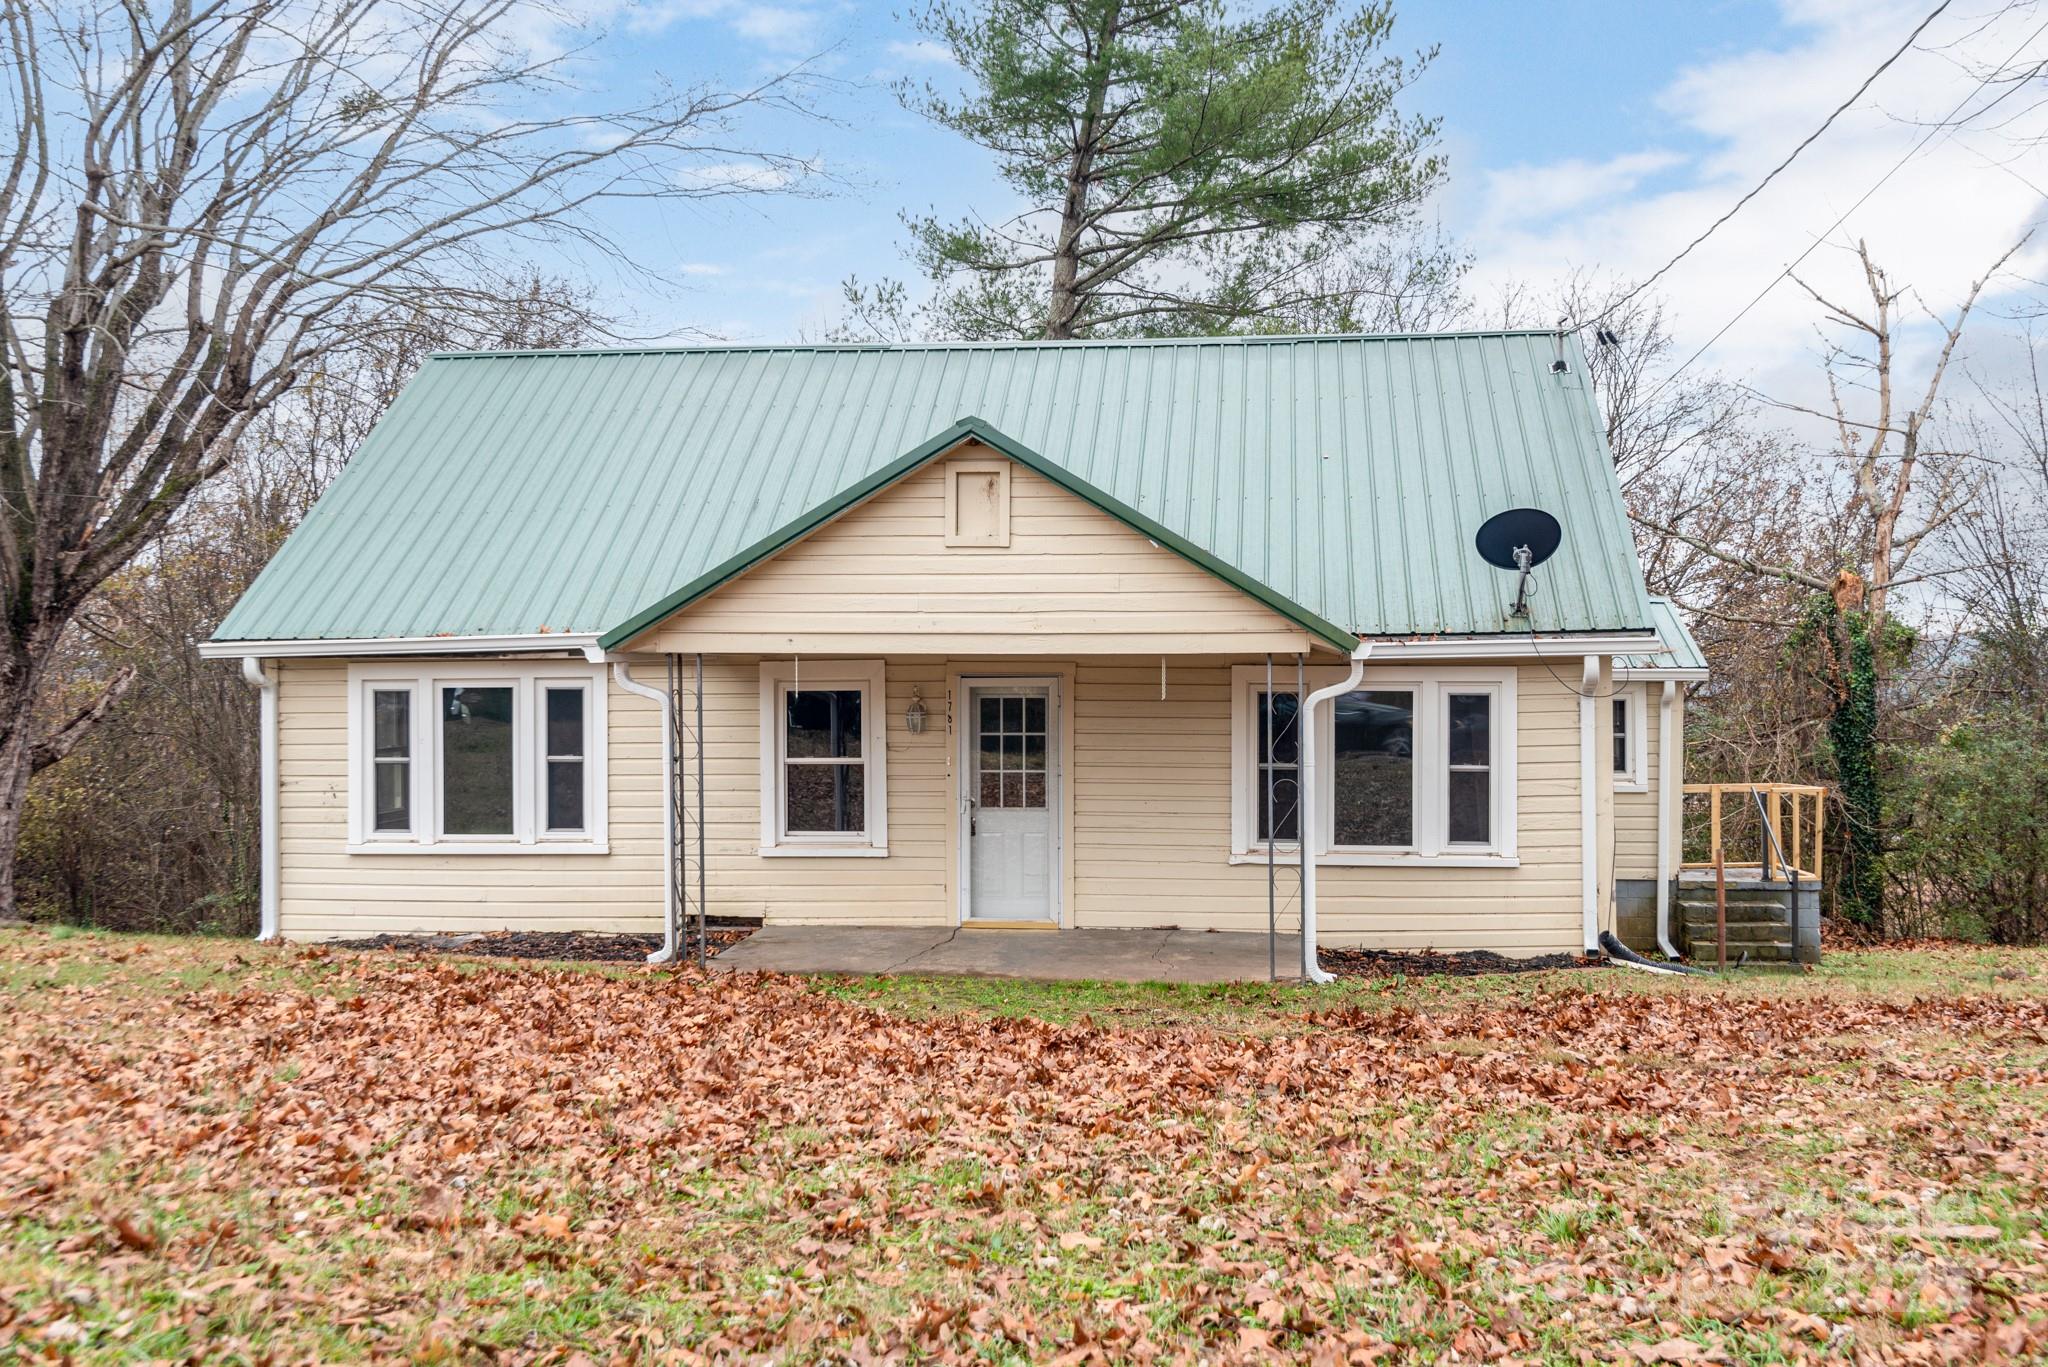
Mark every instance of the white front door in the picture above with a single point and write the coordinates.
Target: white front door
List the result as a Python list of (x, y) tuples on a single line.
[(1010, 800)]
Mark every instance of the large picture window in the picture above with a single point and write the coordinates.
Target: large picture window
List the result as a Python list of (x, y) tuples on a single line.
[(822, 749), (1417, 766), (1373, 769), (476, 756)]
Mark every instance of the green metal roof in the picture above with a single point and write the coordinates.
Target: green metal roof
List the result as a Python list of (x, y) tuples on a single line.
[(1339, 479), (1685, 655)]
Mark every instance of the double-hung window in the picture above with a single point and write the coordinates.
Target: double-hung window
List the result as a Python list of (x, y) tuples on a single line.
[(1468, 768), (476, 757), (1416, 766), (823, 747), (1627, 741)]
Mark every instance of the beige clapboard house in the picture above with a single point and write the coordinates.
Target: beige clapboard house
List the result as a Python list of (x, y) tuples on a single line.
[(1001, 636)]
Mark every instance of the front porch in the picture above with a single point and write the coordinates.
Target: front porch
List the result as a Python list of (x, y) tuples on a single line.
[(1166, 954)]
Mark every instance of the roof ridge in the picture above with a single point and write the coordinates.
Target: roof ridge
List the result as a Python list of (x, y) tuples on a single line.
[(727, 348)]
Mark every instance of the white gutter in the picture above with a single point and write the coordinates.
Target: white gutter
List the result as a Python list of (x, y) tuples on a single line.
[(1504, 646), (400, 645), (1589, 804), (622, 672), (269, 866), (1311, 817), (1670, 773)]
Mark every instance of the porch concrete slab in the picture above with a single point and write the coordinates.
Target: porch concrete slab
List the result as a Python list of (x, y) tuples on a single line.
[(1162, 955), (831, 949), (1226, 956)]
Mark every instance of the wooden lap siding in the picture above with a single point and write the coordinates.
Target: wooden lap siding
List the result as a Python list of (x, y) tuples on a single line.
[(881, 581), (1150, 784), (1152, 827), (1635, 814), (327, 891)]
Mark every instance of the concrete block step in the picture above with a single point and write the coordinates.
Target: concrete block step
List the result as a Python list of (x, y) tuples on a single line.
[(1755, 949), (1704, 925), (1735, 899), (1737, 915), (1704, 943)]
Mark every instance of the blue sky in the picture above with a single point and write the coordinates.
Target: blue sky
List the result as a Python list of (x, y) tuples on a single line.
[(1580, 133)]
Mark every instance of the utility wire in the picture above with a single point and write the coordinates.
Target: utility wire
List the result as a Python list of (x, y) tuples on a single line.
[(1772, 174), (1944, 124)]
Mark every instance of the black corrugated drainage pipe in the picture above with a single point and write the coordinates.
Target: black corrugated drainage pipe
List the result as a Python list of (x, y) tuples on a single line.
[(1622, 954)]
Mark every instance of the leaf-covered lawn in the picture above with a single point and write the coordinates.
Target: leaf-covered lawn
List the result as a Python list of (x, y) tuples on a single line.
[(230, 1152)]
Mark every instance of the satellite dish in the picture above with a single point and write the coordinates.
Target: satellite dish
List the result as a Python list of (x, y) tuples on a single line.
[(1519, 539), (1507, 537)]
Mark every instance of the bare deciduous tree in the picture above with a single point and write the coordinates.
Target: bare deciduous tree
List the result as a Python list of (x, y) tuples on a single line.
[(200, 199), (1653, 423), (1895, 489), (1881, 445)]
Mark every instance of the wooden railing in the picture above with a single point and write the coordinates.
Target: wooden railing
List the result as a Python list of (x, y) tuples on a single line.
[(1793, 812)]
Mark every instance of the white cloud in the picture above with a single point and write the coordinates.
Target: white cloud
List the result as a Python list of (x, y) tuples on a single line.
[(1521, 195), (777, 26), (702, 269), (1936, 224), (923, 51)]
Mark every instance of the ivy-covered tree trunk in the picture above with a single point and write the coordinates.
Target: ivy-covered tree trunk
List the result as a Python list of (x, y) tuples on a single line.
[(1852, 736)]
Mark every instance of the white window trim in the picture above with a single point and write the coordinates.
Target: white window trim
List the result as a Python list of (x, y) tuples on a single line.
[(1431, 849), (1636, 779), (777, 678), (424, 681)]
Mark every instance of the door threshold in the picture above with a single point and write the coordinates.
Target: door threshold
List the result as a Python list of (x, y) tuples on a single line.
[(987, 923)]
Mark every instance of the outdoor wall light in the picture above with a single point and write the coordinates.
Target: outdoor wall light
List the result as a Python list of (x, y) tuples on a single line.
[(913, 716)]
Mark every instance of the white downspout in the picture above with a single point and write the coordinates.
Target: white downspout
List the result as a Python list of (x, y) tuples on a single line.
[(1311, 817), (270, 866), (1589, 803), (622, 672), (1670, 773)]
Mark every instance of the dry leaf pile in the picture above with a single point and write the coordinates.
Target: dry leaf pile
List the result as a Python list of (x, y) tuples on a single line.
[(345, 1157)]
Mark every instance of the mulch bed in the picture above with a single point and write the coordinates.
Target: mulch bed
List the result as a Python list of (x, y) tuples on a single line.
[(1427, 963), (588, 947), (575, 945)]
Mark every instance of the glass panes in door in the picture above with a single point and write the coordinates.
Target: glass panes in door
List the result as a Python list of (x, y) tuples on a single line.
[(1011, 754)]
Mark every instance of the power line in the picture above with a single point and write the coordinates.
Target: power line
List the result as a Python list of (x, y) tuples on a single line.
[(1772, 174), (1945, 124)]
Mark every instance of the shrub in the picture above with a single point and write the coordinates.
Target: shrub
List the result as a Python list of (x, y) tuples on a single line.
[(1971, 856)]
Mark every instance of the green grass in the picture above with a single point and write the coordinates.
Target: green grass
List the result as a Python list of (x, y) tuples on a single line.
[(1883, 974)]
